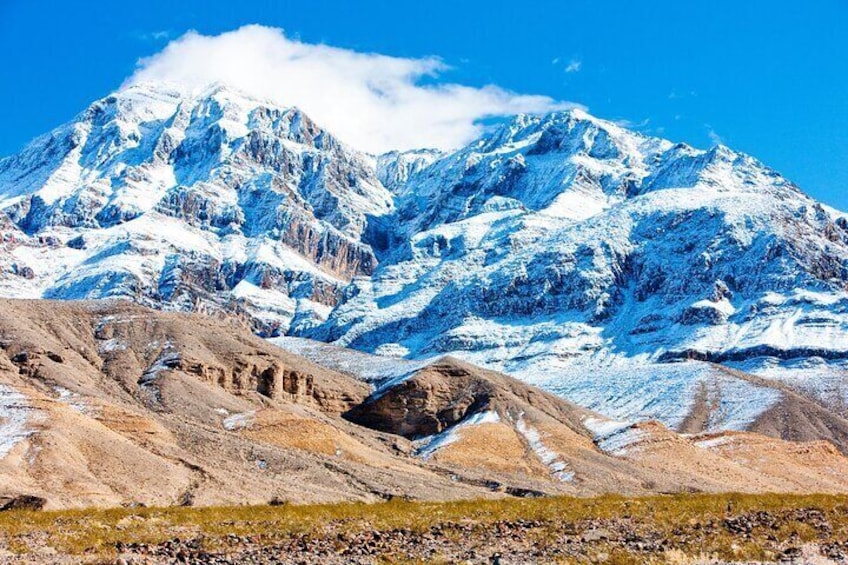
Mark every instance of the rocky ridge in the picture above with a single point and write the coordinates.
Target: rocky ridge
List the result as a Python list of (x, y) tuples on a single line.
[(209, 202)]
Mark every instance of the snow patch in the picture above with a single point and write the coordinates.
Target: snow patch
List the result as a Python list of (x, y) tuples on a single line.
[(72, 399), (602, 427), (713, 442), (622, 442), (16, 414), (239, 421), (559, 469), (630, 390), (427, 446), (112, 345), (168, 359)]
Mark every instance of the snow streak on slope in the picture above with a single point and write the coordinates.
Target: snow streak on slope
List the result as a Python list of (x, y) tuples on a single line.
[(623, 442), (559, 469)]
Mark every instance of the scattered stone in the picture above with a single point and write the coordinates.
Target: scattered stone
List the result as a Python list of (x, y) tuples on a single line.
[(507, 542), (21, 357), (23, 502), (55, 357), (596, 536)]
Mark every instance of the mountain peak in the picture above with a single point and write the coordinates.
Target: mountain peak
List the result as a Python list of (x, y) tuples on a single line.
[(174, 182), (217, 89)]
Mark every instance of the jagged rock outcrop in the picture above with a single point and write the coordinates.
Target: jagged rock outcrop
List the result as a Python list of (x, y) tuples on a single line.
[(192, 202), (447, 391), (438, 397)]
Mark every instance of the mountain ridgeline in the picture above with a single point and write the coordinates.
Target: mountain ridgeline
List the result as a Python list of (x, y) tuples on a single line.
[(550, 246)]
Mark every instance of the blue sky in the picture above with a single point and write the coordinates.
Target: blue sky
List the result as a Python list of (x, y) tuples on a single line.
[(767, 78)]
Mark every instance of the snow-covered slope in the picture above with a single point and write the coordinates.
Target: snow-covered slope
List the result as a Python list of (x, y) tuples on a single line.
[(564, 250), (203, 201)]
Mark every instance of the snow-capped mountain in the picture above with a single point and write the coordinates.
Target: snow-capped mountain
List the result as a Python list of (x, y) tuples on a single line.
[(568, 251), (203, 201), (564, 250)]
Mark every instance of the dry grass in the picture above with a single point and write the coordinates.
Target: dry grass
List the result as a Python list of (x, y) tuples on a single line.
[(676, 517)]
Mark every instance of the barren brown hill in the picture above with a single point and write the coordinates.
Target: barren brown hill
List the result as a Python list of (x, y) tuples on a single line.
[(529, 432), (110, 403), (107, 403)]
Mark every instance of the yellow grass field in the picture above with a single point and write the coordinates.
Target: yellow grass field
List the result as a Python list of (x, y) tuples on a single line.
[(667, 529)]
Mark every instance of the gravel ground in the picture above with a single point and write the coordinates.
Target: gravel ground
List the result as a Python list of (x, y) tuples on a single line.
[(507, 543)]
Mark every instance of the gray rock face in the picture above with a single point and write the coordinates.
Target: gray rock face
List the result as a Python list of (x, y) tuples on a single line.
[(205, 202)]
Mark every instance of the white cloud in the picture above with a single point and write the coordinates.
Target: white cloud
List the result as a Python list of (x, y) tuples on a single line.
[(630, 124), (715, 138), (157, 35), (573, 66), (374, 102), (677, 95)]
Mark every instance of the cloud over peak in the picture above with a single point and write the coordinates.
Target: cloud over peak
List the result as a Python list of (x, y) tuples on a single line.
[(374, 102)]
